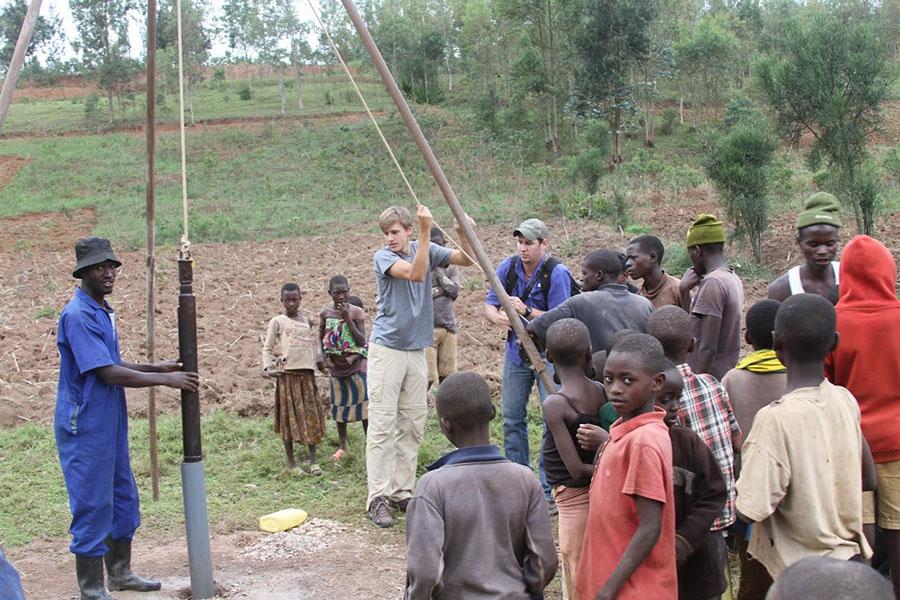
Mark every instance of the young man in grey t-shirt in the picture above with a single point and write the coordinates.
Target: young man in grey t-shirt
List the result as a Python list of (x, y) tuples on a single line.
[(397, 373)]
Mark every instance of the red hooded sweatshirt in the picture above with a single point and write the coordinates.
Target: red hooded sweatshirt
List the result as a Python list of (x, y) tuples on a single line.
[(867, 359)]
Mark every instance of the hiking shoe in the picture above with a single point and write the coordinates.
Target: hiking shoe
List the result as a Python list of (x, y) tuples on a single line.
[(380, 512), (400, 504)]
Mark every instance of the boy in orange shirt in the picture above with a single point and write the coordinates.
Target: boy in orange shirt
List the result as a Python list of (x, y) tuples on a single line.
[(629, 542)]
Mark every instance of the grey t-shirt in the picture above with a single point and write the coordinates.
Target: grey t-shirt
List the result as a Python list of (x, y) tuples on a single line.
[(405, 316), (605, 311)]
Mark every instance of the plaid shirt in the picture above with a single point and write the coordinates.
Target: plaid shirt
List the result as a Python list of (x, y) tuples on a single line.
[(705, 408)]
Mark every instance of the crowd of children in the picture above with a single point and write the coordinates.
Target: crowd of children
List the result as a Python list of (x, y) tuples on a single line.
[(769, 452), (661, 444)]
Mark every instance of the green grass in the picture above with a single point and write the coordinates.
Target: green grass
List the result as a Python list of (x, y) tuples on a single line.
[(245, 476), (269, 180), (211, 100)]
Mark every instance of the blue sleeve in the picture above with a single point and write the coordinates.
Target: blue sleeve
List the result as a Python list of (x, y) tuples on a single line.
[(502, 269), (85, 338), (439, 255), (384, 260), (560, 286)]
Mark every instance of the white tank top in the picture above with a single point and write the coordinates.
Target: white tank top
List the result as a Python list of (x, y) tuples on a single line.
[(797, 283)]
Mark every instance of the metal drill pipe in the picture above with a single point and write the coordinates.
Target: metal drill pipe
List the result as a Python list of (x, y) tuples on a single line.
[(449, 195), (187, 344), (151, 239)]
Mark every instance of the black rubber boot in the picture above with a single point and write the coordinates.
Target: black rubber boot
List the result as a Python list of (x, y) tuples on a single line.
[(118, 567), (89, 571)]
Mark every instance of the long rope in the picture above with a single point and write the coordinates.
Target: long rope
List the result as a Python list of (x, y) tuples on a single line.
[(185, 240), (380, 132)]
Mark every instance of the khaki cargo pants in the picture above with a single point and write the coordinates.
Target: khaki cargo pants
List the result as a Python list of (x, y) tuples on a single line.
[(397, 383)]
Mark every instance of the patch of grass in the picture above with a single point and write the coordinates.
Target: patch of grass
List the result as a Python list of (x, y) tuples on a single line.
[(258, 182), (211, 100), (246, 476), (46, 312)]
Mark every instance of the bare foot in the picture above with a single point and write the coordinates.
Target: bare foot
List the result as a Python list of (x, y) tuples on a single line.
[(337, 456)]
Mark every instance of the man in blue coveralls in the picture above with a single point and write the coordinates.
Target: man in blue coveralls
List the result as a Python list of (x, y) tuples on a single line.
[(91, 426), (536, 283)]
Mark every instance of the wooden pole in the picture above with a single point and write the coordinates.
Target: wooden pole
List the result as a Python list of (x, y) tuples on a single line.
[(18, 59), (151, 238), (449, 195)]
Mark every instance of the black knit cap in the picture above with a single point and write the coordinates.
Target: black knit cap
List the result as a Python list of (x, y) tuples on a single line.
[(92, 251)]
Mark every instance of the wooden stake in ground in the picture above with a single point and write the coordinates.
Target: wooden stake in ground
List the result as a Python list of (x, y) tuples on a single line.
[(449, 195), (18, 59), (151, 238)]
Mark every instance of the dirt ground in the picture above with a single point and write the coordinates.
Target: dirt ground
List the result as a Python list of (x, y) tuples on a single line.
[(320, 560)]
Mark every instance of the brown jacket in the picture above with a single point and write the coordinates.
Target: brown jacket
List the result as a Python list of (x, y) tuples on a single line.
[(478, 528)]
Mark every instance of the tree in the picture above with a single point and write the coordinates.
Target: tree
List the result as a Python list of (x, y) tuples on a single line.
[(739, 164), (707, 57), (46, 31), (829, 80), (195, 41), (240, 22), (611, 37), (301, 53), (277, 24), (103, 29)]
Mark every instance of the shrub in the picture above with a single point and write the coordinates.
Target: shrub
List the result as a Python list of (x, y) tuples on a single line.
[(93, 116), (669, 120), (245, 92), (587, 168), (739, 164)]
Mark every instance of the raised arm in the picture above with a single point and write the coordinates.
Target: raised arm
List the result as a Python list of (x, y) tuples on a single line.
[(418, 269)]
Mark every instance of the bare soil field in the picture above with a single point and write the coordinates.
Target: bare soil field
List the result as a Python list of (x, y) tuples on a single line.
[(237, 287)]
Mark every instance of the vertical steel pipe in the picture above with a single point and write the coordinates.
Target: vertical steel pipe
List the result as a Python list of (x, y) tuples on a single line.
[(193, 480)]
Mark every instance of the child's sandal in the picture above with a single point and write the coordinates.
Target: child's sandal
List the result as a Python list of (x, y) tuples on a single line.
[(315, 469)]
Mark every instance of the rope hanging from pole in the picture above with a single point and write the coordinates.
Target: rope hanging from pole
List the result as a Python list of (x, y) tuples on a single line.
[(185, 239), (380, 132)]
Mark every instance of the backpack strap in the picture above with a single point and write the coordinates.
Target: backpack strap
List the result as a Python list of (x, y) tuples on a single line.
[(512, 277)]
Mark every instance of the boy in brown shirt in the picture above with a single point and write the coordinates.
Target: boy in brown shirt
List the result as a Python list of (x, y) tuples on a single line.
[(644, 257), (718, 304)]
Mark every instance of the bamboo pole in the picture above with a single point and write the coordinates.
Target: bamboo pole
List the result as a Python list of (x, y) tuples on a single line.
[(449, 195), (18, 59), (151, 238)]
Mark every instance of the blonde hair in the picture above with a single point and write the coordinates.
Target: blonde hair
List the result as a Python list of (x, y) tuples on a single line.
[(395, 214)]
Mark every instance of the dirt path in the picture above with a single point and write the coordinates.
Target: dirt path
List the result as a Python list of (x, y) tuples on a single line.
[(321, 560)]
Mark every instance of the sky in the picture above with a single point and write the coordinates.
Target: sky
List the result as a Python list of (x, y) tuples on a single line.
[(137, 28)]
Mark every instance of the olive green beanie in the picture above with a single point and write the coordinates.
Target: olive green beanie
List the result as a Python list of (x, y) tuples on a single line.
[(706, 229), (820, 209)]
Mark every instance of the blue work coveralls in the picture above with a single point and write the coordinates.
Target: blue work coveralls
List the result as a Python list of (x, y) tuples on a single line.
[(91, 426), (10, 585)]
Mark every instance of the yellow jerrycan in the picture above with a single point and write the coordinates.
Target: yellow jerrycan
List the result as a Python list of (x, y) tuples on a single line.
[(282, 520)]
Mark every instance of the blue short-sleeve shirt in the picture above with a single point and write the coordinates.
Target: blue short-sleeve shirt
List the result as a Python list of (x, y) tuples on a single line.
[(404, 319), (560, 289), (87, 340)]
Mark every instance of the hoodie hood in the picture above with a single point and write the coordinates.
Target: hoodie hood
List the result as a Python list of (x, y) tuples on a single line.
[(868, 276)]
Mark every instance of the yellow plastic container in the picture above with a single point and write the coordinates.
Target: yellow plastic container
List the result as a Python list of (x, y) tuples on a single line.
[(282, 520)]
